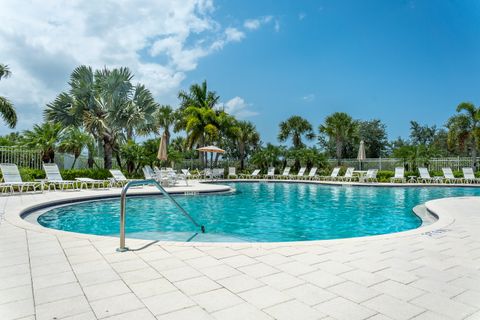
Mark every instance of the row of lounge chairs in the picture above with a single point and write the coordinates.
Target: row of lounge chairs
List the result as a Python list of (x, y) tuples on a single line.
[(12, 180), (363, 176)]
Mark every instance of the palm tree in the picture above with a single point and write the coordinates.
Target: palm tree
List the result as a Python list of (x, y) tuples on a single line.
[(473, 128), (7, 111), (74, 141), (295, 127), (247, 139), (458, 135), (139, 112), (198, 96), (164, 119), (105, 104), (44, 137), (340, 128)]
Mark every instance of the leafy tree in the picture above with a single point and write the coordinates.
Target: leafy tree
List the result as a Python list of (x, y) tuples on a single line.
[(340, 129), (459, 134), (422, 135), (295, 128), (7, 110), (374, 134), (268, 156), (74, 141), (247, 140), (10, 139), (472, 128), (44, 137), (134, 154)]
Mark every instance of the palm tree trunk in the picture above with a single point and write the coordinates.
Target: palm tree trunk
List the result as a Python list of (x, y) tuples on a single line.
[(338, 150), (90, 160), (74, 161), (474, 154), (107, 154)]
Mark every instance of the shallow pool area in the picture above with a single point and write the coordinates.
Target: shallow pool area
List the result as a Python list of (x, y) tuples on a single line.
[(258, 212)]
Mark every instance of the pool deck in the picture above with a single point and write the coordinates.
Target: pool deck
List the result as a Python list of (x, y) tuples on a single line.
[(428, 273)]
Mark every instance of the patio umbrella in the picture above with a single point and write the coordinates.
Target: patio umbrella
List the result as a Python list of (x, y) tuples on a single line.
[(212, 149), (162, 148), (361, 153)]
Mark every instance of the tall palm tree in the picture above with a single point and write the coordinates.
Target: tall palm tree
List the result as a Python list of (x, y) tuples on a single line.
[(106, 104), (473, 127), (340, 128), (296, 127), (44, 137), (74, 141), (7, 110), (247, 139), (197, 103)]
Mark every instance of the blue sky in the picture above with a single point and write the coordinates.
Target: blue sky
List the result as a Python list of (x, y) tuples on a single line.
[(392, 60)]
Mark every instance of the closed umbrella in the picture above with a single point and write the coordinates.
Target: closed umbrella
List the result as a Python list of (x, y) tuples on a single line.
[(361, 153), (162, 149)]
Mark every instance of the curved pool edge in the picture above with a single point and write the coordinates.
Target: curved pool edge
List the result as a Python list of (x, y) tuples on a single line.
[(16, 211)]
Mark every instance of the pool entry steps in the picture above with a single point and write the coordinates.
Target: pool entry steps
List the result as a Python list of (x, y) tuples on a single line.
[(123, 207)]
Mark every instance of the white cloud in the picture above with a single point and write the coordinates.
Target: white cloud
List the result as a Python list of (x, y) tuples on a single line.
[(239, 108), (233, 34), (254, 24), (160, 41), (309, 97)]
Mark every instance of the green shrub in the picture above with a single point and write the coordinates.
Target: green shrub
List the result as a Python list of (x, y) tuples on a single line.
[(99, 174), (385, 175)]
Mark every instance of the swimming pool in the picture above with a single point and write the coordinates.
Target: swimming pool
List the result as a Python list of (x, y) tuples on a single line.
[(258, 212)]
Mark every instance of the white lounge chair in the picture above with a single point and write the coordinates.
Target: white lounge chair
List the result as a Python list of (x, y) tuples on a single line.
[(54, 177), (301, 173), (218, 173), (254, 174), (449, 177), (371, 175), (285, 174), (333, 175), (270, 173), (232, 172), (12, 178), (312, 174), (469, 176), (93, 183), (399, 175), (348, 176), (148, 173), (425, 176), (119, 178)]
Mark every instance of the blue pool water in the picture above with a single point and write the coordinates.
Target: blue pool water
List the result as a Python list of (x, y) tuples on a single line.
[(258, 212)]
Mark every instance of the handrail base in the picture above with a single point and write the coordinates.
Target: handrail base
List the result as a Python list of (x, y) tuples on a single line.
[(122, 249)]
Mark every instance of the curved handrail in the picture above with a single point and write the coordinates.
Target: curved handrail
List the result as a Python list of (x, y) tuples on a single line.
[(123, 206)]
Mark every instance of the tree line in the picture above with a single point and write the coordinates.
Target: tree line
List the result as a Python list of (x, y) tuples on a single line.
[(104, 111)]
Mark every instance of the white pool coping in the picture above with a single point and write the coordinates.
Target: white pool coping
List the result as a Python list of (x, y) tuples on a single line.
[(38, 201)]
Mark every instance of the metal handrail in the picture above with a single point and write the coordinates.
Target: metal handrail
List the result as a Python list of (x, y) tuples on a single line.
[(123, 206)]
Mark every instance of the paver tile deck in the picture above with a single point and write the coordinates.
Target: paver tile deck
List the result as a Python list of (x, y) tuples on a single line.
[(46, 274)]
